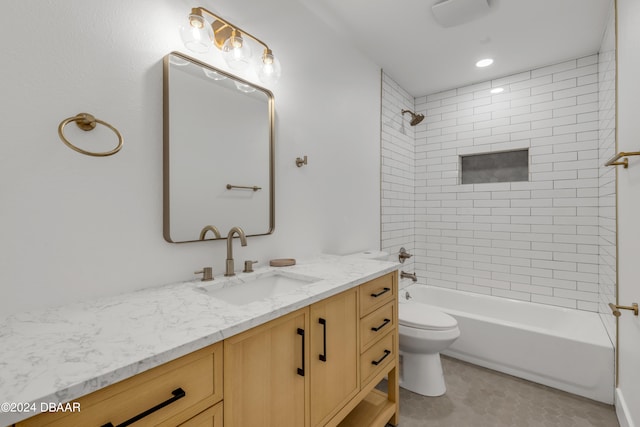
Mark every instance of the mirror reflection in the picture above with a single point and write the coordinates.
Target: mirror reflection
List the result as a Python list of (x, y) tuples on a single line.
[(218, 152)]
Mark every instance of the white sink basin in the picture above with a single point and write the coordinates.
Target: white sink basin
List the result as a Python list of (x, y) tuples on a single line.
[(247, 289)]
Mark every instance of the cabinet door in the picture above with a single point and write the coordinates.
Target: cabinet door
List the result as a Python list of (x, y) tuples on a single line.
[(334, 354), (265, 374)]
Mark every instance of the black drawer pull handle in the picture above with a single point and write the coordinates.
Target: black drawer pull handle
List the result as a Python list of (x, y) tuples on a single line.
[(379, 361), (177, 395), (301, 370), (383, 291), (385, 323), (323, 356)]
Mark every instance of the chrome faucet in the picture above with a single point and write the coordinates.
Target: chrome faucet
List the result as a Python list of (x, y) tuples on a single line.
[(243, 241)]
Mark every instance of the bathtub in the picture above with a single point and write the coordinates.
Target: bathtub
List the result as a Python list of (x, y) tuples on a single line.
[(558, 347)]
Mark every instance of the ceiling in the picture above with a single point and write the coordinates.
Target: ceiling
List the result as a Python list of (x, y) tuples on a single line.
[(402, 36)]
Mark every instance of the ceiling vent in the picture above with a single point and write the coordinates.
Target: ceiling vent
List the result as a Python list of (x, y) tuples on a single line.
[(450, 13)]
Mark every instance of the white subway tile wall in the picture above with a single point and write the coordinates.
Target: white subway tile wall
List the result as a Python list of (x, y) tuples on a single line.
[(534, 241), (397, 173), (607, 177), (547, 240)]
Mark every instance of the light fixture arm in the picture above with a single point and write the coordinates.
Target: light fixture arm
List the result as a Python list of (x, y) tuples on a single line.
[(217, 28)]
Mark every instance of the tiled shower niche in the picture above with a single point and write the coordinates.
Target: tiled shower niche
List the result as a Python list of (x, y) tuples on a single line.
[(505, 166)]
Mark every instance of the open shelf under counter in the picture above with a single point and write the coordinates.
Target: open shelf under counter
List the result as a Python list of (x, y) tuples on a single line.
[(375, 410)]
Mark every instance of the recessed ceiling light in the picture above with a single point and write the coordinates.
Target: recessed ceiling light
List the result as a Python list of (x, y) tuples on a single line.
[(497, 90), (484, 62)]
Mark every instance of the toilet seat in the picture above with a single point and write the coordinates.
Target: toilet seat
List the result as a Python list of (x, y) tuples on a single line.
[(421, 316)]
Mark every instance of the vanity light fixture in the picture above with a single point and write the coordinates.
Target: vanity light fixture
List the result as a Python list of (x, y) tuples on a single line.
[(484, 62), (199, 35)]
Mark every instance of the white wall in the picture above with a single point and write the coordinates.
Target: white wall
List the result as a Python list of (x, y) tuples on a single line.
[(628, 392), (74, 227)]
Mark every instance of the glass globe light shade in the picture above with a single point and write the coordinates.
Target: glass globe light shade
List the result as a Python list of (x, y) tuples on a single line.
[(213, 75), (178, 61), (244, 87), (236, 53), (269, 69), (197, 35)]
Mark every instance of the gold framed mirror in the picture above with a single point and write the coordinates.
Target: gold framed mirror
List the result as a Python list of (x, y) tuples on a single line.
[(218, 152)]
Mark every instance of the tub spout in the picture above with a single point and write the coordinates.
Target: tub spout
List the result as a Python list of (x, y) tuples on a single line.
[(405, 275)]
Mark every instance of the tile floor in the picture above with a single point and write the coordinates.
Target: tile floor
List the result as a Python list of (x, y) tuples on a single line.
[(479, 397)]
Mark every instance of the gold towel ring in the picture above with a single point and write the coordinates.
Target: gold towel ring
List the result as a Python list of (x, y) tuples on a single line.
[(86, 121)]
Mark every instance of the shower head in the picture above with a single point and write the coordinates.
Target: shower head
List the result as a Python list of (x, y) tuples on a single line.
[(415, 118)]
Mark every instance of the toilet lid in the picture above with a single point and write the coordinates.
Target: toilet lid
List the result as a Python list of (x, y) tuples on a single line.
[(421, 316)]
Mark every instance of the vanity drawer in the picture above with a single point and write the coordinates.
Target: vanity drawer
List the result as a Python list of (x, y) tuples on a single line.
[(376, 324), (376, 293), (376, 358), (212, 417), (189, 385)]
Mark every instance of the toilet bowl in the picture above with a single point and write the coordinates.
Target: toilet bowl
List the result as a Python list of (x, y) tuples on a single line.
[(424, 333)]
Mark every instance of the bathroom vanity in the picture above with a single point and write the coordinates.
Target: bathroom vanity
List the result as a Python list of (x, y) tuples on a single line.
[(309, 358)]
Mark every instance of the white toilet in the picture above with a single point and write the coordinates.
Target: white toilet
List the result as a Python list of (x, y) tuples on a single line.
[(424, 333)]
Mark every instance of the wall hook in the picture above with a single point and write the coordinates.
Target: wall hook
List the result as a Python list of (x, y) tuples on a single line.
[(301, 162)]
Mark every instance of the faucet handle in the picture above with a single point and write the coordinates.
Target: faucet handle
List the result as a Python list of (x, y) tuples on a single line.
[(207, 274), (403, 255), (248, 266)]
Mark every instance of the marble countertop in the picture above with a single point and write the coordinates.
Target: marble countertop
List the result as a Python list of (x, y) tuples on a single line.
[(60, 354)]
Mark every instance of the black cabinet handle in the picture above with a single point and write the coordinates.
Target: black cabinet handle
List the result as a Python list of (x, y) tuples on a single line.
[(386, 321), (323, 356), (301, 370), (177, 394), (379, 361), (383, 291)]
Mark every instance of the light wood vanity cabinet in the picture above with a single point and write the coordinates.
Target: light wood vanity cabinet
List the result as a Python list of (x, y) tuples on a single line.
[(188, 385), (378, 349), (212, 417), (317, 366), (355, 332), (334, 355), (265, 374)]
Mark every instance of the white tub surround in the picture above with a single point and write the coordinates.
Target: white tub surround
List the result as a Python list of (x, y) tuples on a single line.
[(561, 348), (397, 168), (60, 354), (534, 240)]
